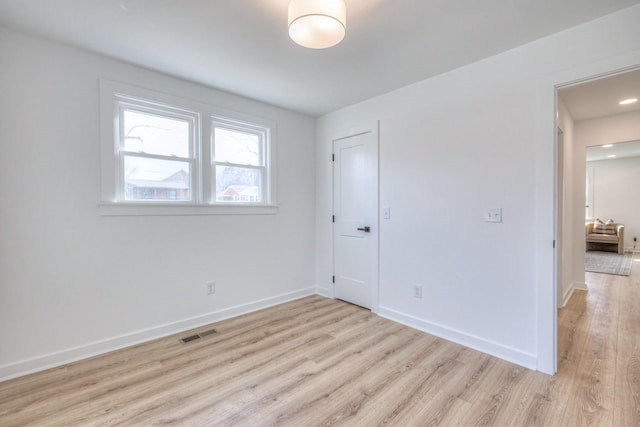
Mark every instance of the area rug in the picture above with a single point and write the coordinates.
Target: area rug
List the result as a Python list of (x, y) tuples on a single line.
[(608, 262)]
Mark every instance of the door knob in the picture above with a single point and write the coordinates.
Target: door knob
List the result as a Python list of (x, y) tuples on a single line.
[(366, 229)]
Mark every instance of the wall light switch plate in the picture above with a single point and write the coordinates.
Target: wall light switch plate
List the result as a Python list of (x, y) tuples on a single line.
[(386, 212), (493, 215)]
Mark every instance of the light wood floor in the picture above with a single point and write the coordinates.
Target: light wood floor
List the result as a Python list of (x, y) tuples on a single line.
[(321, 362)]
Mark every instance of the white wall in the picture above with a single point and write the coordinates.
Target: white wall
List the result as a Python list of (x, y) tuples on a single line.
[(604, 130), (74, 283), (477, 137), (571, 275), (608, 130), (616, 194), (615, 179)]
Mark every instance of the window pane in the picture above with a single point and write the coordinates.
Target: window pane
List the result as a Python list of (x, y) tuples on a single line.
[(238, 184), (237, 147), (148, 133), (153, 179)]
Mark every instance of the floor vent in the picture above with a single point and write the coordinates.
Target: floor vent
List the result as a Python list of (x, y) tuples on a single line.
[(207, 333), (198, 336)]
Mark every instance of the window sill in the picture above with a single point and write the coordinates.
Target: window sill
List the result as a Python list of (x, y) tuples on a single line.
[(162, 209)]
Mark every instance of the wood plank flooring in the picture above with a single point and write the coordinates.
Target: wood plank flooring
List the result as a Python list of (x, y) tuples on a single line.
[(319, 362)]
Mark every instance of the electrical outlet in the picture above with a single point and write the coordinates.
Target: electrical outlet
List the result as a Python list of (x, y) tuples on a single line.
[(211, 287), (493, 215), (417, 290)]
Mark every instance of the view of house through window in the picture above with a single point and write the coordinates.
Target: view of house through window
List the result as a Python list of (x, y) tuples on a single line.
[(156, 156), (158, 150), (239, 164)]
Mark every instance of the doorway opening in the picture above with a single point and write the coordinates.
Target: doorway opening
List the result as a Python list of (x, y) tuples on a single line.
[(589, 114)]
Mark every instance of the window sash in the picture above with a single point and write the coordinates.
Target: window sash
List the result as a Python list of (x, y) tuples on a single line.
[(161, 111), (168, 112), (263, 134), (122, 181)]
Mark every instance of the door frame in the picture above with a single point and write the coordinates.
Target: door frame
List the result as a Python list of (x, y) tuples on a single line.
[(559, 215), (372, 128), (547, 177)]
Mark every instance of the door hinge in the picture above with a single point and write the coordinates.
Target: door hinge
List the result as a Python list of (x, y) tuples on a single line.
[(333, 279), (554, 244), (333, 218), (333, 157)]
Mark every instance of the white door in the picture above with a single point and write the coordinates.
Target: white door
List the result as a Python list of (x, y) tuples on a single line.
[(355, 205)]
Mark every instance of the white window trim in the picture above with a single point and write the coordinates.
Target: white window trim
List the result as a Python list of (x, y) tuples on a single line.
[(265, 154), (204, 203)]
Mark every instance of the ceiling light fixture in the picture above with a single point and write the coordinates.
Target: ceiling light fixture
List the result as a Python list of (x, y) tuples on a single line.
[(628, 101), (317, 24), (611, 156), (607, 146)]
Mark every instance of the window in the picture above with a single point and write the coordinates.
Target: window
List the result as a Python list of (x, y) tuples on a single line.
[(155, 160), (239, 162), (156, 153)]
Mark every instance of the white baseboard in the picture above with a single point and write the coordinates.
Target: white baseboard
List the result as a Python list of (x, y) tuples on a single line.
[(567, 296), (579, 286), (323, 292), (575, 286), (52, 360), (494, 349)]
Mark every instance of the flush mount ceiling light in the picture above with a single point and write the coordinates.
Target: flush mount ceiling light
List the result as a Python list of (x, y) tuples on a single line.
[(628, 101), (317, 24)]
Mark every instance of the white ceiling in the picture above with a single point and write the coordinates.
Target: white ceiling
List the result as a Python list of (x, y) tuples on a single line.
[(601, 97), (242, 46)]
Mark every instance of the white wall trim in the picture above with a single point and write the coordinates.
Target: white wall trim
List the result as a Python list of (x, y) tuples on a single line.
[(546, 173), (575, 286), (567, 296), (579, 286), (74, 354), (509, 354), (324, 292), (158, 209)]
